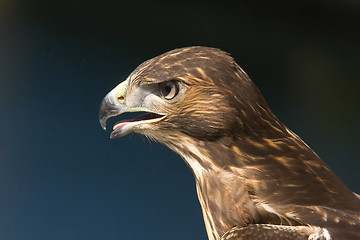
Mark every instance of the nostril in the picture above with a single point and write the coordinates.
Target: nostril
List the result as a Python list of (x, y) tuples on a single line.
[(120, 98)]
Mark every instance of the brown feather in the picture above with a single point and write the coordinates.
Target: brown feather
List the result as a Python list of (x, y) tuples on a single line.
[(251, 171)]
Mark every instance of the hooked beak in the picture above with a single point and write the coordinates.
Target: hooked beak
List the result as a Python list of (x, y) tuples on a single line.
[(114, 104)]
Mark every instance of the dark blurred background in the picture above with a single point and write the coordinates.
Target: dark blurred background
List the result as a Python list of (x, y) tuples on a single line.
[(61, 177)]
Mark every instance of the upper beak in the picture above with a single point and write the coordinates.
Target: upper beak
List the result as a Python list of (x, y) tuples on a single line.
[(113, 104), (108, 109)]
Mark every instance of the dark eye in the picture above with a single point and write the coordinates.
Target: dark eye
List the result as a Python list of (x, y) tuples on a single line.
[(169, 89)]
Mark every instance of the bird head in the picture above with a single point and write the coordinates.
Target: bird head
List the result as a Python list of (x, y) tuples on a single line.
[(195, 91)]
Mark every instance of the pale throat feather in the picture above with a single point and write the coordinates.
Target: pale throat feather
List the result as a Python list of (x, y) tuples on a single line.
[(232, 204), (200, 174), (197, 160)]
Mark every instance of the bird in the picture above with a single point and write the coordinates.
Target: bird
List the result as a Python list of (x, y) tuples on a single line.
[(255, 178)]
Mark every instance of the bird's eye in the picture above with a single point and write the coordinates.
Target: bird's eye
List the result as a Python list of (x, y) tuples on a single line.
[(169, 89)]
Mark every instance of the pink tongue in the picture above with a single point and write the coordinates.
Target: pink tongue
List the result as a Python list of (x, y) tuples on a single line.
[(122, 123)]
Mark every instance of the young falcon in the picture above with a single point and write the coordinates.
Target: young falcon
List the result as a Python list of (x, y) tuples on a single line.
[(255, 178)]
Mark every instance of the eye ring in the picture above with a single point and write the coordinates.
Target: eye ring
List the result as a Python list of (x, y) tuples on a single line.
[(169, 89)]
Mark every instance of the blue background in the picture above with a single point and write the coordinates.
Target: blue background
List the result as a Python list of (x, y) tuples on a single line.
[(61, 177)]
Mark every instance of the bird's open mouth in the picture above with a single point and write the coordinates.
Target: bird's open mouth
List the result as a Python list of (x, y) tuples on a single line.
[(114, 104), (124, 127), (148, 117)]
